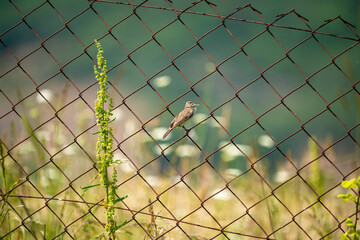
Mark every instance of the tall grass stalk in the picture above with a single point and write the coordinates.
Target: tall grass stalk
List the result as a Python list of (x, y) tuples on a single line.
[(104, 145)]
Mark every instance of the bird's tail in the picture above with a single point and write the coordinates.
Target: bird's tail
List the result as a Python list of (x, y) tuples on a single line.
[(167, 132)]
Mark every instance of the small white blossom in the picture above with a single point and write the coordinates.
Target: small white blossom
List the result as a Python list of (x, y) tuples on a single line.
[(233, 151), (232, 172), (224, 195), (154, 181), (214, 123), (175, 180), (162, 81), (186, 150), (47, 93), (281, 176), (266, 141), (70, 150), (158, 133), (117, 114), (126, 166), (198, 117)]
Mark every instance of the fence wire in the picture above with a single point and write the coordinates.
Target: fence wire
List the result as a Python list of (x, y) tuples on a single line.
[(200, 184)]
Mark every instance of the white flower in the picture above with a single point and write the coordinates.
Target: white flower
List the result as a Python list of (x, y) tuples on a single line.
[(281, 176), (47, 93), (198, 117), (158, 133), (232, 172), (70, 150), (127, 167), (154, 181), (162, 81), (117, 114), (175, 180), (266, 141), (186, 150), (119, 156), (223, 195), (233, 151), (215, 123)]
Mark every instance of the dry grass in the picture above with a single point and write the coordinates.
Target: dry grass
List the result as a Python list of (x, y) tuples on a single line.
[(43, 176)]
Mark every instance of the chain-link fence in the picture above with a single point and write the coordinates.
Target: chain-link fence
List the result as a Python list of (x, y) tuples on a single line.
[(276, 132)]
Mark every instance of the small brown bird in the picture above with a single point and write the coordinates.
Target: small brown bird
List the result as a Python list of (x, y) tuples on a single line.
[(183, 117)]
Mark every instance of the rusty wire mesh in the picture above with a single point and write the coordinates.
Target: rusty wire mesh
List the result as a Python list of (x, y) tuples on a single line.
[(218, 183)]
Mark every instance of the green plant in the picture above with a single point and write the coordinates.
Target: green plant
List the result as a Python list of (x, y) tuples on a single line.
[(353, 184), (104, 145)]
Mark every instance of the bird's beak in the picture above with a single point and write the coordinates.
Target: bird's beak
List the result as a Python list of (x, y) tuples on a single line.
[(197, 105)]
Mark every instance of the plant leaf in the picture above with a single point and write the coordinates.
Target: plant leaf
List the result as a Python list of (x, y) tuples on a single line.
[(349, 183), (349, 223), (345, 197), (91, 186), (112, 120), (3, 216), (120, 199), (344, 236), (119, 226)]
